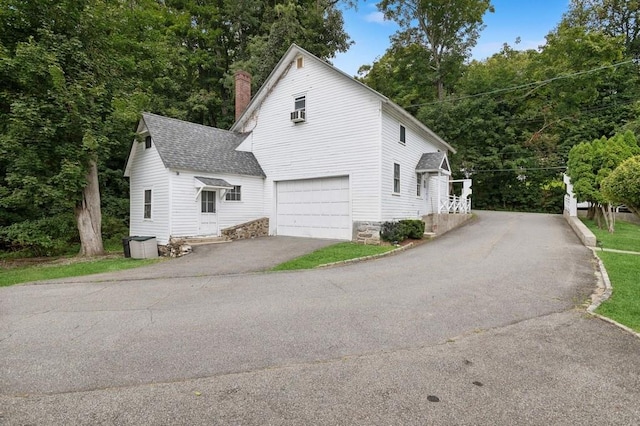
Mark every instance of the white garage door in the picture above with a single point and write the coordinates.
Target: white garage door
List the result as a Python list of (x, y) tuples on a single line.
[(317, 208)]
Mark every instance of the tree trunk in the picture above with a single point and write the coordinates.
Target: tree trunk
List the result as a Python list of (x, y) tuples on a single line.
[(440, 87), (608, 217), (89, 215)]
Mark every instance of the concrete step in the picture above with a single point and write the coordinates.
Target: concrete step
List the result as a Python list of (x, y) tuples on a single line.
[(429, 234), (198, 241)]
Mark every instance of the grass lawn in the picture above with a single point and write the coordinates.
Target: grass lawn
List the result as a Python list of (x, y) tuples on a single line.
[(625, 237), (624, 271), (10, 276), (624, 304), (334, 253)]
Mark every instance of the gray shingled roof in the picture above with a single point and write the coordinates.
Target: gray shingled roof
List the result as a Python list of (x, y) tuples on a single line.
[(430, 161), (189, 146), (215, 183)]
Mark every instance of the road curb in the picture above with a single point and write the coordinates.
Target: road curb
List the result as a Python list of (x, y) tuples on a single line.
[(584, 234), (604, 284), (399, 249), (364, 258)]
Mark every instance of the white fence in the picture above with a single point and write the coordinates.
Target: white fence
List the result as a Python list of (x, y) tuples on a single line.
[(455, 204)]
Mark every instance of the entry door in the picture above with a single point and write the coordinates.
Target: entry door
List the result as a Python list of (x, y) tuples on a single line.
[(425, 193), (208, 213)]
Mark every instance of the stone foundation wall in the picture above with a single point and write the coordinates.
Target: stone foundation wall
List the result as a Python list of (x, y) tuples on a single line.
[(366, 232), (177, 247), (255, 228), (441, 223)]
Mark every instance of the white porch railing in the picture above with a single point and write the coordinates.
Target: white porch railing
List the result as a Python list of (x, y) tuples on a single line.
[(455, 204)]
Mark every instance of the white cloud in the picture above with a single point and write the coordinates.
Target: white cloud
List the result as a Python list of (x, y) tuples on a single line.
[(376, 17)]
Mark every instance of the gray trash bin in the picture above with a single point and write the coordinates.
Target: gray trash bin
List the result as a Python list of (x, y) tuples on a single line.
[(126, 248), (143, 247)]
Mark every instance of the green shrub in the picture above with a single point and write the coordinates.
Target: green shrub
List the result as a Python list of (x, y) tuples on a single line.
[(399, 231), (392, 232), (113, 231), (48, 236), (413, 228), (113, 227)]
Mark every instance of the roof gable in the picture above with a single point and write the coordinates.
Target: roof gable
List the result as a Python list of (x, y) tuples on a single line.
[(288, 60), (189, 146), (433, 162)]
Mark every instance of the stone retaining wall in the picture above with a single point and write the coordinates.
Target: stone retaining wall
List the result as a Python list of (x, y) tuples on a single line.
[(441, 223), (255, 228), (366, 232)]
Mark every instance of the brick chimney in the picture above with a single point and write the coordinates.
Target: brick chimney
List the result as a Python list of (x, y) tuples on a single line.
[(243, 91)]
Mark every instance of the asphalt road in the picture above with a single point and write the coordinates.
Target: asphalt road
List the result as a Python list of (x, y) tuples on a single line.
[(485, 325)]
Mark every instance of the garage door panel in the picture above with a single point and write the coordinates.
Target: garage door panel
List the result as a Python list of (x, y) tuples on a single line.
[(318, 208)]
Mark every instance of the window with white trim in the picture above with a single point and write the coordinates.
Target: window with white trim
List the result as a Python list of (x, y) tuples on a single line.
[(208, 201), (396, 178), (147, 142), (233, 194), (403, 134), (147, 204), (300, 103), (418, 184)]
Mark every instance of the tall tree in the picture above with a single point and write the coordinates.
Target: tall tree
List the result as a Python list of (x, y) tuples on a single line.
[(589, 165), (613, 17), (404, 74), (447, 28), (315, 25), (623, 184), (75, 75), (69, 71)]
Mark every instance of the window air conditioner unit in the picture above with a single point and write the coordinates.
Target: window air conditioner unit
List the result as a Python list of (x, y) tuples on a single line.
[(298, 116)]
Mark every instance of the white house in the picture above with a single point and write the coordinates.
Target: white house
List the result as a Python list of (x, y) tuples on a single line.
[(316, 152)]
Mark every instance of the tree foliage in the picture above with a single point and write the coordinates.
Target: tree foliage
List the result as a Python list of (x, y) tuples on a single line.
[(623, 184), (613, 17), (515, 116), (448, 29), (75, 76), (589, 165)]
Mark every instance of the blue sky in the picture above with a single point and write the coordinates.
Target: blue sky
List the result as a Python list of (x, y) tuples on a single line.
[(531, 20)]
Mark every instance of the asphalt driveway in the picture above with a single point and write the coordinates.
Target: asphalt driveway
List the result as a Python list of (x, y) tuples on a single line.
[(238, 257), (485, 325)]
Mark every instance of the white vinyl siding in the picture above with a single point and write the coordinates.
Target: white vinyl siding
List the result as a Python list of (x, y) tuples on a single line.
[(407, 155), (148, 173), (341, 139), (186, 206)]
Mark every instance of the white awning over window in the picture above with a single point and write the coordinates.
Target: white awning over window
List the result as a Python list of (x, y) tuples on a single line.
[(207, 183)]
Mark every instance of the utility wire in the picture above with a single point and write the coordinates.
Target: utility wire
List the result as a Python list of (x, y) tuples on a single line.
[(523, 169), (527, 85)]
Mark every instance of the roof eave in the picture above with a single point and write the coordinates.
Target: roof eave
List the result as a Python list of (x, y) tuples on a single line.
[(130, 158), (289, 56), (420, 124)]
